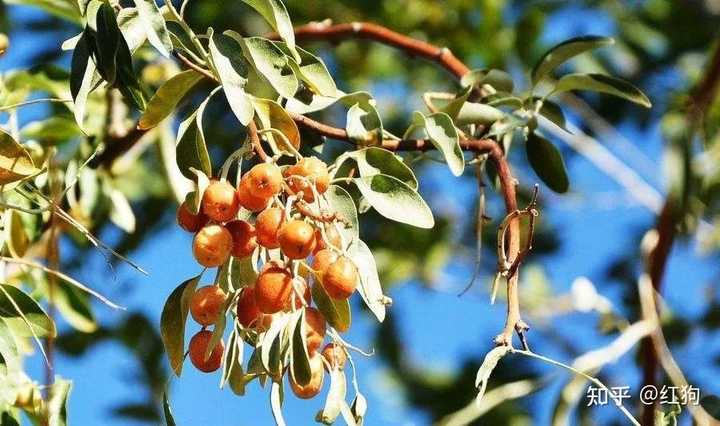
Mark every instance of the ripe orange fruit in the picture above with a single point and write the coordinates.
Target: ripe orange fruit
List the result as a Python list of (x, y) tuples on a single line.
[(220, 202), (334, 355), (312, 388), (198, 346), (207, 303), (322, 260), (332, 235), (244, 241), (297, 239), (212, 245), (304, 289), (248, 200), (188, 221), (340, 278), (314, 329), (307, 171), (267, 225), (247, 310), (272, 289), (264, 180)]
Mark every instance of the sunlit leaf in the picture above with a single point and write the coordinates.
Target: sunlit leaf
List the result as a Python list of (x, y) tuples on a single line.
[(167, 97), (603, 84), (336, 311), (277, 16), (274, 116), (312, 71), (271, 63), (172, 322), (395, 200), (38, 322), (233, 71), (370, 289), (443, 134), (152, 19), (15, 163), (565, 51)]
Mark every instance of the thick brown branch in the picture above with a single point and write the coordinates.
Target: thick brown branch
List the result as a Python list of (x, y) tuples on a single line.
[(369, 31)]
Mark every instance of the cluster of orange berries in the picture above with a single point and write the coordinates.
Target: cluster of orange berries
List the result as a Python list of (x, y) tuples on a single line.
[(219, 234)]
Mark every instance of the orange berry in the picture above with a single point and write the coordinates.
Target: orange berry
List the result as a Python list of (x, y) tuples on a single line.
[(312, 388), (332, 235), (322, 260), (207, 303), (297, 239), (198, 347), (247, 309), (264, 180), (304, 173), (248, 200), (267, 225), (340, 278), (272, 289), (314, 329), (243, 238), (304, 289), (220, 202), (334, 355), (212, 245), (188, 221)]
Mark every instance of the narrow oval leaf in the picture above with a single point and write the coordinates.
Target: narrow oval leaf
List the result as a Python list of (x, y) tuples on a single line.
[(443, 134), (107, 43), (500, 80), (167, 97), (341, 202), (172, 322), (335, 397), (276, 15), (16, 237), (375, 160), (276, 400), (15, 163), (272, 64), (232, 69), (336, 311), (370, 289), (271, 347), (169, 419), (364, 125), (191, 149), (30, 320), (157, 32), (395, 200), (299, 360), (476, 113), (274, 116), (603, 84), (565, 51), (311, 70), (489, 363), (547, 162)]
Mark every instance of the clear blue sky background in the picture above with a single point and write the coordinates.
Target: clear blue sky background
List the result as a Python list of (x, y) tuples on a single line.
[(439, 329)]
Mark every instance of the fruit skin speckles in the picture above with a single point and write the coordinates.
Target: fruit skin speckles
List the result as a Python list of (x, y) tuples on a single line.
[(212, 245), (188, 221), (272, 289), (206, 304), (267, 226), (264, 180), (197, 349), (244, 240), (220, 202), (340, 278), (308, 171), (248, 200), (297, 239)]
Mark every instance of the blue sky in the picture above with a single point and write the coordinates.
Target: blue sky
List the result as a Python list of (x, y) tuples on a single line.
[(590, 232)]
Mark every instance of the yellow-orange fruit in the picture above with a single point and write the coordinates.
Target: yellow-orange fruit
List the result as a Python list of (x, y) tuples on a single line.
[(334, 355), (248, 200), (304, 289), (312, 388), (207, 303), (264, 180), (307, 171), (220, 202), (332, 235), (297, 239), (212, 245), (247, 309), (322, 260), (198, 346), (272, 289), (314, 329), (244, 241), (188, 221), (340, 278), (267, 225)]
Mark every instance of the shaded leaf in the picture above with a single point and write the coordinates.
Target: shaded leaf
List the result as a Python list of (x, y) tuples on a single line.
[(336, 311), (299, 360), (167, 97), (191, 149), (38, 323), (312, 71), (547, 162), (172, 322), (169, 419), (603, 84), (15, 163), (565, 51), (274, 116)]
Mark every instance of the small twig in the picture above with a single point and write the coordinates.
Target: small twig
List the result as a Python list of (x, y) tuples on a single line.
[(190, 64), (255, 141)]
